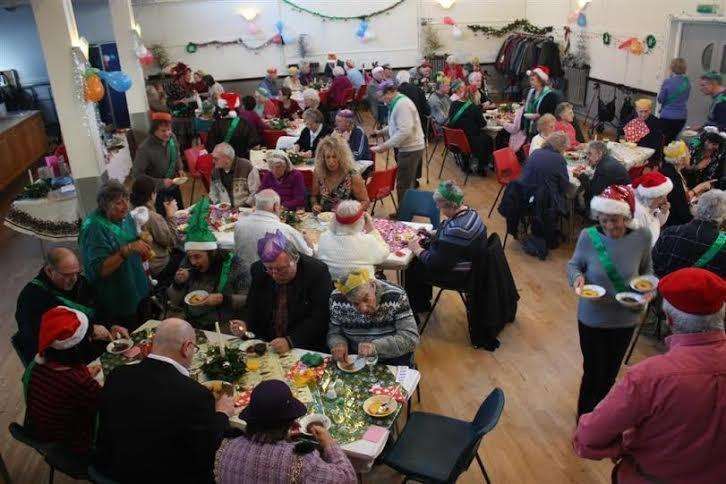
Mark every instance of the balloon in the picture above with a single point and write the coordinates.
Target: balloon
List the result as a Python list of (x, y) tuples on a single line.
[(279, 26), (449, 21), (581, 20), (277, 39), (141, 51), (93, 89), (253, 29), (370, 35), (289, 38), (636, 47), (147, 60), (118, 81), (457, 33)]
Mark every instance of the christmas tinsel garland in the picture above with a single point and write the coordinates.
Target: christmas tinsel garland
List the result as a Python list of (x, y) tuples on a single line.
[(519, 25), (192, 47), (338, 17)]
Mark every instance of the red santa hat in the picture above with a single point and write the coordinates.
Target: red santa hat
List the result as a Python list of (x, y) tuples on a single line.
[(653, 184), (61, 328), (231, 98), (615, 200), (694, 291), (543, 72)]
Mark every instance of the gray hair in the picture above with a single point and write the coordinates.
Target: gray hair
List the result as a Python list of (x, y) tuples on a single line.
[(347, 208), (311, 95), (711, 206), (561, 108), (226, 149), (682, 322), (403, 76), (109, 192), (452, 187), (311, 114), (57, 254), (544, 120), (275, 157), (557, 141), (266, 200), (599, 146), (338, 71)]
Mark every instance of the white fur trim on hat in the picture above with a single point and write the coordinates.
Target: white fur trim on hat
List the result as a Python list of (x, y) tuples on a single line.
[(539, 73), (79, 334), (610, 206), (200, 246), (657, 191)]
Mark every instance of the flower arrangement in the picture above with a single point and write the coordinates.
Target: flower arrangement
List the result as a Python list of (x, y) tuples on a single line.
[(296, 158), (278, 123), (290, 217), (229, 367)]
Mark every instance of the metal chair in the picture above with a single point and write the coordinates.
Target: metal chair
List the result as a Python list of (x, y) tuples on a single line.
[(421, 203), (435, 448), (455, 141), (4, 471), (507, 169)]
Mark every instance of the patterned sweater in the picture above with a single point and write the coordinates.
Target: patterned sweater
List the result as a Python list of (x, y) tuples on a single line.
[(392, 328)]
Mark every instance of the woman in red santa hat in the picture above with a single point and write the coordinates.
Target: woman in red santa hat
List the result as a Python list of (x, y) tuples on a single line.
[(652, 207), (60, 391), (607, 255), (541, 99)]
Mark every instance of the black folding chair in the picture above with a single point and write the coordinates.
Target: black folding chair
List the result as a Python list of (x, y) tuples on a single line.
[(15, 342)]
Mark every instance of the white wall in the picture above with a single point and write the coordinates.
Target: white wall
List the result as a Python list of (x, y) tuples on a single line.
[(622, 19)]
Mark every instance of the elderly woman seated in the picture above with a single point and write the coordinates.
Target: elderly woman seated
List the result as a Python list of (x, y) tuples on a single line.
[(266, 453), (315, 130), (371, 317), (466, 116), (292, 81), (289, 109), (352, 241), (565, 117), (112, 259), (545, 127), (266, 108), (234, 180), (285, 180), (354, 135), (307, 76), (207, 268), (644, 129), (335, 176), (445, 258), (338, 88)]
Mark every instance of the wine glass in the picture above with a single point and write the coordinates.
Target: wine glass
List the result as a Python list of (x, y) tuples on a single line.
[(371, 361)]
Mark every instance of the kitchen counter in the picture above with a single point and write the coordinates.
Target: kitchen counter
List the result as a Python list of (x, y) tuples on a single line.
[(12, 119), (22, 143)]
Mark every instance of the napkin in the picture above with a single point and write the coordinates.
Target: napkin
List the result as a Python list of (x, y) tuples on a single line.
[(374, 433)]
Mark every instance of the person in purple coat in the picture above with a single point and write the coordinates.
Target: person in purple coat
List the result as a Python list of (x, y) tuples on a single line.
[(283, 179), (673, 99)]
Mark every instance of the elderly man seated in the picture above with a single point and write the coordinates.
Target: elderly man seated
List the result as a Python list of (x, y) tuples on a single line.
[(354, 135), (207, 268), (59, 283), (664, 420), (371, 317), (444, 258), (269, 82), (288, 299), (266, 218), (156, 424), (234, 180), (698, 243), (608, 171), (352, 241)]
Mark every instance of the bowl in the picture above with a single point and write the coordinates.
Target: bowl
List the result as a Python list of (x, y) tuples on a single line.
[(196, 298), (380, 406), (358, 364), (591, 291), (326, 217), (119, 346), (181, 180), (313, 418), (631, 300), (645, 283)]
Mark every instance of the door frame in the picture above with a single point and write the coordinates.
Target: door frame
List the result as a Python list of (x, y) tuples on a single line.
[(675, 32)]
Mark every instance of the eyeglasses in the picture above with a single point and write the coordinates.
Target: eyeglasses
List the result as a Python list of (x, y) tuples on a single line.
[(279, 270), (196, 347)]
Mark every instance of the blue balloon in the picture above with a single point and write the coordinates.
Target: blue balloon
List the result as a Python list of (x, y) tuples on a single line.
[(364, 25), (288, 38), (279, 26), (581, 20), (118, 81), (103, 75)]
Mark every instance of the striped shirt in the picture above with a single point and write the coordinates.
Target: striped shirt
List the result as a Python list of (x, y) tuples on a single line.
[(62, 403)]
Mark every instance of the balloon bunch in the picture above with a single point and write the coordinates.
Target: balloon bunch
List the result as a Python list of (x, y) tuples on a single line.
[(363, 33), (146, 58), (578, 16), (93, 89), (283, 35), (456, 32)]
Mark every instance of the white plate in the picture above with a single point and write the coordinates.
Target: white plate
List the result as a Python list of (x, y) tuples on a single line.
[(358, 364), (646, 278), (313, 417), (389, 400), (199, 293), (689, 133), (326, 217), (181, 180), (639, 299), (530, 115), (110, 346), (599, 289)]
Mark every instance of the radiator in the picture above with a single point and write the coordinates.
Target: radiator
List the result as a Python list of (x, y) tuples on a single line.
[(576, 84)]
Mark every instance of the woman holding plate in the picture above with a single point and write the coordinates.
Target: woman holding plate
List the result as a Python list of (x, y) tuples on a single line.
[(607, 255)]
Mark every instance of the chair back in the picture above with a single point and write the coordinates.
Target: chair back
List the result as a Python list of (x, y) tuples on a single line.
[(56, 456), (191, 155), (323, 95), (382, 184), (361, 94), (525, 150), (270, 137), (506, 165), (455, 140), (421, 203), (308, 179), (15, 341)]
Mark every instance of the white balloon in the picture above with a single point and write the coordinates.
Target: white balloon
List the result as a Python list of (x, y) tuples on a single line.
[(369, 35), (456, 32)]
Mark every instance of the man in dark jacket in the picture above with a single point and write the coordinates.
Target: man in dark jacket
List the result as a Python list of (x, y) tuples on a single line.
[(156, 424), (235, 131), (59, 283), (547, 165), (608, 171), (288, 299)]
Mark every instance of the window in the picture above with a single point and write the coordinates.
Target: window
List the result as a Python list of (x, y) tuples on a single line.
[(706, 57)]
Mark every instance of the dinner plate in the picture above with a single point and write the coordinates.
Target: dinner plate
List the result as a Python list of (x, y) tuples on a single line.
[(326, 217), (390, 405), (645, 283), (689, 133), (358, 364), (111, 347), (631, 300), (586, 290), (530, 115), (201, 295), (313, 417), (181, 180)]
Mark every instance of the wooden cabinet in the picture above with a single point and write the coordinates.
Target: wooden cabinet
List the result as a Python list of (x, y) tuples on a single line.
[(22, 142)]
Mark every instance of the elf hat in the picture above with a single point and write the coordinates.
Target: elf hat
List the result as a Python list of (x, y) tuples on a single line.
[(615, 200), (543, 72), (694, 291), (199, 237), (653, 185), (61, 328)]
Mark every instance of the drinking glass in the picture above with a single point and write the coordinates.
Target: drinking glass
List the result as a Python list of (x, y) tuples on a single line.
[(371, 361)]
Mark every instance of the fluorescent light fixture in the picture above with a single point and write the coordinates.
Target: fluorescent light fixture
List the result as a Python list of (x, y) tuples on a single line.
[(248, 13), (446, 3)]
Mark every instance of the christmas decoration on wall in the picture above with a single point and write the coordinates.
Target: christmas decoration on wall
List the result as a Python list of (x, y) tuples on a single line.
[(650, 42), (456, 32), (431, 41), (579, 14), (519, 25), (192, 47), (607, 38), (324, 16), (638, 47), (363, 33), (160, 54)]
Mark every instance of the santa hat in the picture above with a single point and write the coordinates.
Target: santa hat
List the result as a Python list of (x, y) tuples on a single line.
[(61, 328), (198, 234), (653, 185), (272, 70), (543, 72), (232, 99), (161, 117), (694, 291), (615, 200)]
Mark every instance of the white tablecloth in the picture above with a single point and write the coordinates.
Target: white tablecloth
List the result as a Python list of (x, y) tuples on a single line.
[(257, 158), (45, 218), (630, 157)]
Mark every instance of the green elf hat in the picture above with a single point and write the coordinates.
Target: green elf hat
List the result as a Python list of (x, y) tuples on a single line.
[(199, 237), (446, 191)]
